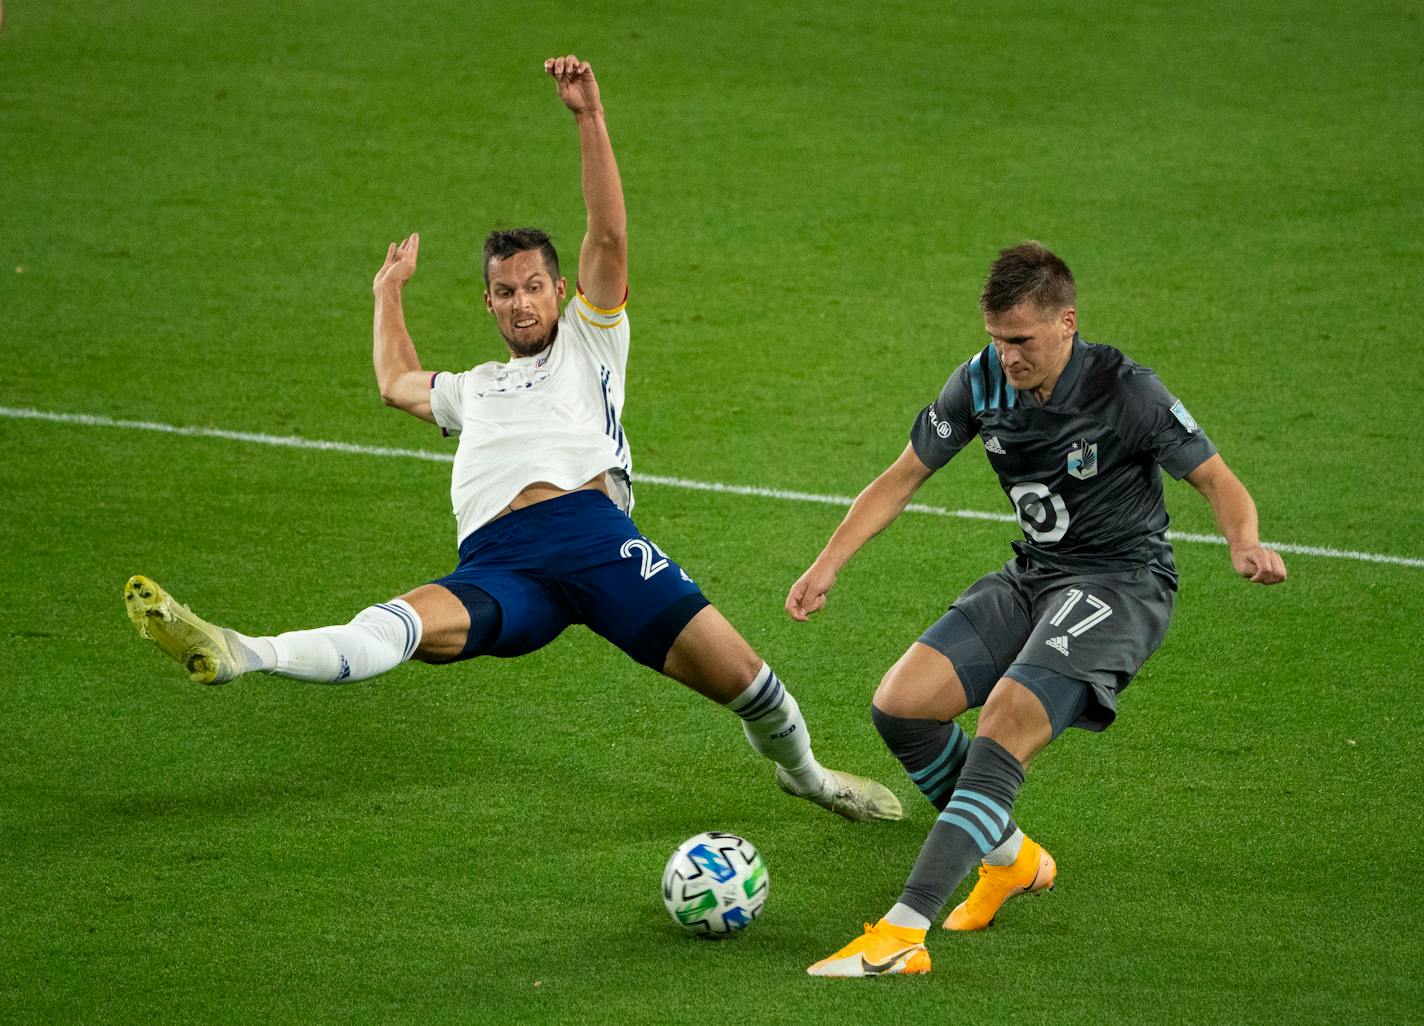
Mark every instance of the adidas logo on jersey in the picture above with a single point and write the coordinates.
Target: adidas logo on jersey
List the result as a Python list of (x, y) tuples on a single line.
[(992, 444), (1058, 644)]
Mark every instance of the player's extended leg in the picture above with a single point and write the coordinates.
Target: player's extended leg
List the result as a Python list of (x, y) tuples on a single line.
[(426, 623), (1012, 729), (714, 660)]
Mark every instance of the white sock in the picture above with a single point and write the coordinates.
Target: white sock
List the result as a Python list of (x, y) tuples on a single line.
[(255, 653), (774, 728), (378, 639), (1007, 851), (904, 915)]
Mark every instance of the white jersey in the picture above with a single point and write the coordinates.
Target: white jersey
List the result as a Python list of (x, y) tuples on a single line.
[(552, 417)]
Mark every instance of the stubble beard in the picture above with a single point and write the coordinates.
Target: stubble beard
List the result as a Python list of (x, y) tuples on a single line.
[(522, 349)]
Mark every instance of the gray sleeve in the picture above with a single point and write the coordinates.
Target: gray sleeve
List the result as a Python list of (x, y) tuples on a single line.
[(946, 425), (1157, 422)]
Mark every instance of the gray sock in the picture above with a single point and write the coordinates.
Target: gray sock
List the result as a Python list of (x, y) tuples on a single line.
[(972, 824)]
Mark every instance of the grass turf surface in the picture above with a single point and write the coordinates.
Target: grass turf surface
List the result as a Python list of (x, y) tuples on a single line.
[(198, 199)]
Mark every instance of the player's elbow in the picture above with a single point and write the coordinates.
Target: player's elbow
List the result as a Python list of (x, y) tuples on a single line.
[(392, 394), (609, 236)]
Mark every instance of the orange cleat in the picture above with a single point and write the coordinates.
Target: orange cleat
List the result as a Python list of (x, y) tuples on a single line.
[(1034, 870), (883, 950)]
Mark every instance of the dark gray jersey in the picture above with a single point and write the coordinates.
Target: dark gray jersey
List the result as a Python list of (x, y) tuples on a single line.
[(1082, 471)]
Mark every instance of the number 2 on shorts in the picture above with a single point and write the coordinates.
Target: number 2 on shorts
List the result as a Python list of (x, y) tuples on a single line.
[(653, 558)]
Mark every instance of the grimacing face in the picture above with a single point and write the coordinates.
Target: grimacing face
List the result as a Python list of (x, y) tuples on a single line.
[(1033, 344), (525, 300)]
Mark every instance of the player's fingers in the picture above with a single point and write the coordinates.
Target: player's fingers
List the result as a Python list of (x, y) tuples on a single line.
[(414, 244), (796, 601)]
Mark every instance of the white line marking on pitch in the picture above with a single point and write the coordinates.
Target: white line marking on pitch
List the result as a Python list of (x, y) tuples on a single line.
[(843, 501)]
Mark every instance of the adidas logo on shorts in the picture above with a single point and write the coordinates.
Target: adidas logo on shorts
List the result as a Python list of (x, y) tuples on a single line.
[(992, 444), (1058, 644)]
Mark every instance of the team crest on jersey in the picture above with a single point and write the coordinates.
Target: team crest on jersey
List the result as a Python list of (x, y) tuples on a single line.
[(1180, 412), (1083, 459)]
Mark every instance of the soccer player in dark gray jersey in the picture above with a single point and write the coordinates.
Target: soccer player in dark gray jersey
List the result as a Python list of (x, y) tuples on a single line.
[(1077, 433), (1081, 470)]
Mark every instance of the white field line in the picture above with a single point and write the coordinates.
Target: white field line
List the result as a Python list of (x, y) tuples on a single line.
[(843, 501)]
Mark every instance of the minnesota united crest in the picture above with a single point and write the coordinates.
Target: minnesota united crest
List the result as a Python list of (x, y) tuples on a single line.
[(1083, 459)]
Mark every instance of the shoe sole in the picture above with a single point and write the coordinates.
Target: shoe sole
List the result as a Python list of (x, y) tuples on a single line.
[(159, 619)]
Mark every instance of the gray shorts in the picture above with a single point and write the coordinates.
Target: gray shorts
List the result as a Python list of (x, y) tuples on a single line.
[(1094, 628)]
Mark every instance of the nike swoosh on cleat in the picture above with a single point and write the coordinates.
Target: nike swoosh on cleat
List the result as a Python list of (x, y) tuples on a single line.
[(874, 969)]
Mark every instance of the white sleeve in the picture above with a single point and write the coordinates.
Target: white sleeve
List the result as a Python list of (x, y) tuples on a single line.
[(603, 332), (447, 400)]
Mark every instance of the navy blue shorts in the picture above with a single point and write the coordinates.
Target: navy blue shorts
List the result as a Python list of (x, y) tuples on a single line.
[(576, 559)]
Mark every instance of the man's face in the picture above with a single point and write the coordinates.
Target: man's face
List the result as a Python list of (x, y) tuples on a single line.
[(524, 300), (1033, 345)]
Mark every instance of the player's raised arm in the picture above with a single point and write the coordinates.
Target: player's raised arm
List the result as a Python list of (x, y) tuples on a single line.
[(874, 509), (1235, 514), (399, 376), (603, 255)]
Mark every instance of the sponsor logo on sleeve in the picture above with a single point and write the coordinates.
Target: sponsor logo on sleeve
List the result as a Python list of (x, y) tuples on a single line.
[(941, 427), (1180, 412)]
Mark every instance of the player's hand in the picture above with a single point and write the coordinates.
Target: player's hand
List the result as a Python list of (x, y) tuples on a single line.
[(399, 265), (808, 595), (1259, 565), (577, 87)]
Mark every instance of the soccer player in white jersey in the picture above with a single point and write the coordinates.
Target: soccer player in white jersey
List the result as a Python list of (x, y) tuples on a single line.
[(541, 488)]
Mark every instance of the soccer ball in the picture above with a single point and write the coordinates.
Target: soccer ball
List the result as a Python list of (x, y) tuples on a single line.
[(715, 884)]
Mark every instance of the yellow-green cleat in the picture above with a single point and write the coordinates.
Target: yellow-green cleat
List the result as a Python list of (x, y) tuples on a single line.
[(858, 799), (199, 647)]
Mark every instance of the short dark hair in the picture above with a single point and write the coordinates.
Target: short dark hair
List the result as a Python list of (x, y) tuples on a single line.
[(1028, 271), (503, 243)]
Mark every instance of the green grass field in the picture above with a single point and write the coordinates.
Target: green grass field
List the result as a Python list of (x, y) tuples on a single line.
[(195, 198)]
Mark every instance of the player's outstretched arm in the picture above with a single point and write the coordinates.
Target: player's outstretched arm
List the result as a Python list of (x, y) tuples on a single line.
[(1235, 514), (603, 256), (402, 382), (874, 509)]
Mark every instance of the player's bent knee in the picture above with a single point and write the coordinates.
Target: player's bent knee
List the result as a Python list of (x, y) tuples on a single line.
[(922, 684)]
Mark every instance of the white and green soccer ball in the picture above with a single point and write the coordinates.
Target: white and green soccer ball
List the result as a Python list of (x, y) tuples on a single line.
[(715, 884)]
